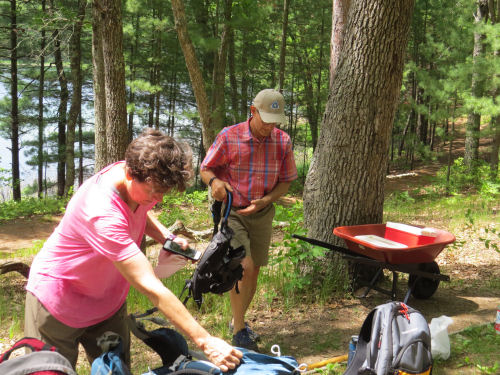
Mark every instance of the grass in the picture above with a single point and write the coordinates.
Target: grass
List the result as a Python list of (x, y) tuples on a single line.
[(281, 287)]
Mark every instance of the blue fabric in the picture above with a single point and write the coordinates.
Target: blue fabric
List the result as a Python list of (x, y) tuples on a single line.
[(110, 363), (252, 363)]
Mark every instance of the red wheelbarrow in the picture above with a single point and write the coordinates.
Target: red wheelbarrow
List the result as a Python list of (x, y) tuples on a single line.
[(397, 248)]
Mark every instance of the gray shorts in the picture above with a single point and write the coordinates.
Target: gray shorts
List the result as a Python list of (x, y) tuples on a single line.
[(254, 233), (40, 324)]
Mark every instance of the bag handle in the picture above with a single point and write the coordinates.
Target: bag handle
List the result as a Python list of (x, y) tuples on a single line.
[(34, 344), (216, 212)]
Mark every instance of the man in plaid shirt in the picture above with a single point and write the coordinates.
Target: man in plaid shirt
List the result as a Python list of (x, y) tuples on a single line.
[(254, 160)]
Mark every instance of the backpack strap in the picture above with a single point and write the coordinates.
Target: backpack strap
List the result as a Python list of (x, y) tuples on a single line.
[(216, 212), (34, 344)]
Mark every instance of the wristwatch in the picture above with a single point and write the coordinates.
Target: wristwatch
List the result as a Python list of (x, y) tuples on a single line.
[(211, 180)]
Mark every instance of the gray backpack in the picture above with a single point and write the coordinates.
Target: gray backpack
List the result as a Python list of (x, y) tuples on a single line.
[(394, 339), (43, 360)]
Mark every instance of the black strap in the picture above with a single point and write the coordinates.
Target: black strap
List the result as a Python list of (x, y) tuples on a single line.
[(216, 214)]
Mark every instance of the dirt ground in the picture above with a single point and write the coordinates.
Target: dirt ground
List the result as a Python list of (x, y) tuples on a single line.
[(317, 332), (313, 333)]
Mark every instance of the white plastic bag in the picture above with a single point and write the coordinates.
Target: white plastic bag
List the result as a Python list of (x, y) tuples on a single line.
[(168, 264), (440, 341)]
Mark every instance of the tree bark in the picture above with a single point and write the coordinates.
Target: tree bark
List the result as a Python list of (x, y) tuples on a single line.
[(101, 157), (61, 114), (286, 6), (114, 77), (219, 74), (345, 183), (232, 77), (339, 21), (14, 112), (76, 99), (472, 132), (495, 120), (200, 93), (41, 83)]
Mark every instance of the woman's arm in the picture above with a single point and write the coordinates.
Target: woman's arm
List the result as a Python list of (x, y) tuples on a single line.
[(139, 273)]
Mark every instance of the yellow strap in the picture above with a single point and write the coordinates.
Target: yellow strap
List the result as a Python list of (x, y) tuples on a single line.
[(411, 373)]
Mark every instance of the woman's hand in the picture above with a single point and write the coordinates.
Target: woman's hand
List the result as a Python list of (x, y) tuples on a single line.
[(182, 242), (221, 354)]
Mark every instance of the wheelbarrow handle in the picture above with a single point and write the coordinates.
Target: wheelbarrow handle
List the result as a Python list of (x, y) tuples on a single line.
[(326, 245)]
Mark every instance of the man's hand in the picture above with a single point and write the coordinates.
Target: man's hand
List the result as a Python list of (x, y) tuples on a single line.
[(221, 354), (255, 206), (219, 189)]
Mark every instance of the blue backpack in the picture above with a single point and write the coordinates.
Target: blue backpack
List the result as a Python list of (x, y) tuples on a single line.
[(110, 362), (252, 363), (177, 359)]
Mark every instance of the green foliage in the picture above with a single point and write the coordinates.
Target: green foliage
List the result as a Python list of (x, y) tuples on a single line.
[(463, 179), (174, 204), (297, 261), (475, 347), (31, 206)]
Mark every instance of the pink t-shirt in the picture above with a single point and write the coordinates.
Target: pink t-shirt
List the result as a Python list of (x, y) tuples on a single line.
[(73, 276)]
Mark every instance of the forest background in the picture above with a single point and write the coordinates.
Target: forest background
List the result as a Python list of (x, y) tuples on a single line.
[(450, 72), (372, 87)]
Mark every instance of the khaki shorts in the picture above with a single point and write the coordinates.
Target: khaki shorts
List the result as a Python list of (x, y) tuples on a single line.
[(40, 324), (254, 233)]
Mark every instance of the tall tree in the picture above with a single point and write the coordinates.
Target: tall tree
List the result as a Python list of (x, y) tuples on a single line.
[(109, 65), (209, 127), (101, 152), (472, 135), (40, 108), (76, 99), (494, 10), (286, 7), (114, 80), (63, 106), (345, 183), (16, 180)]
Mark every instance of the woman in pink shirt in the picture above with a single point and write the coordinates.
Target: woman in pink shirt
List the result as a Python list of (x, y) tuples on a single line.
[(79, 281)]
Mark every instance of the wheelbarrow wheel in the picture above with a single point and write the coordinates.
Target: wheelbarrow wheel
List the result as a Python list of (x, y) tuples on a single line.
[(424, 287)]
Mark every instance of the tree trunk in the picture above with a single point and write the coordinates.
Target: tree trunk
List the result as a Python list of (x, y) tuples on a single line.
[(339, 22), (244, 112), (134, 48), (114, 77), (61, 114), (345, 183), (471, 154), (495, 120), (232, 77), (76, 99), (200, 93), (101, 157), (16, 180), (219, 74), (314, 134), (41, 82), (286, 6), (80, 149)]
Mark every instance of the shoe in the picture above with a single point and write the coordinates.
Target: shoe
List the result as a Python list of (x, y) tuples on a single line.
[(253, 335), (242, 339)]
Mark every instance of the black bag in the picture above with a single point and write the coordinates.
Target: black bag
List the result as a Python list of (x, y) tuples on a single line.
[(168, 343), (43, 360), (219, 268), (177, 359), (394, 339)]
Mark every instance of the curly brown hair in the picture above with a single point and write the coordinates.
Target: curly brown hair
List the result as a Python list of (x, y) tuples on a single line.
[(156, 156)]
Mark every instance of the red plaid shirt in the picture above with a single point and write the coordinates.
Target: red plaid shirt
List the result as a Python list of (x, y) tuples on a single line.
[(252, 167)]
